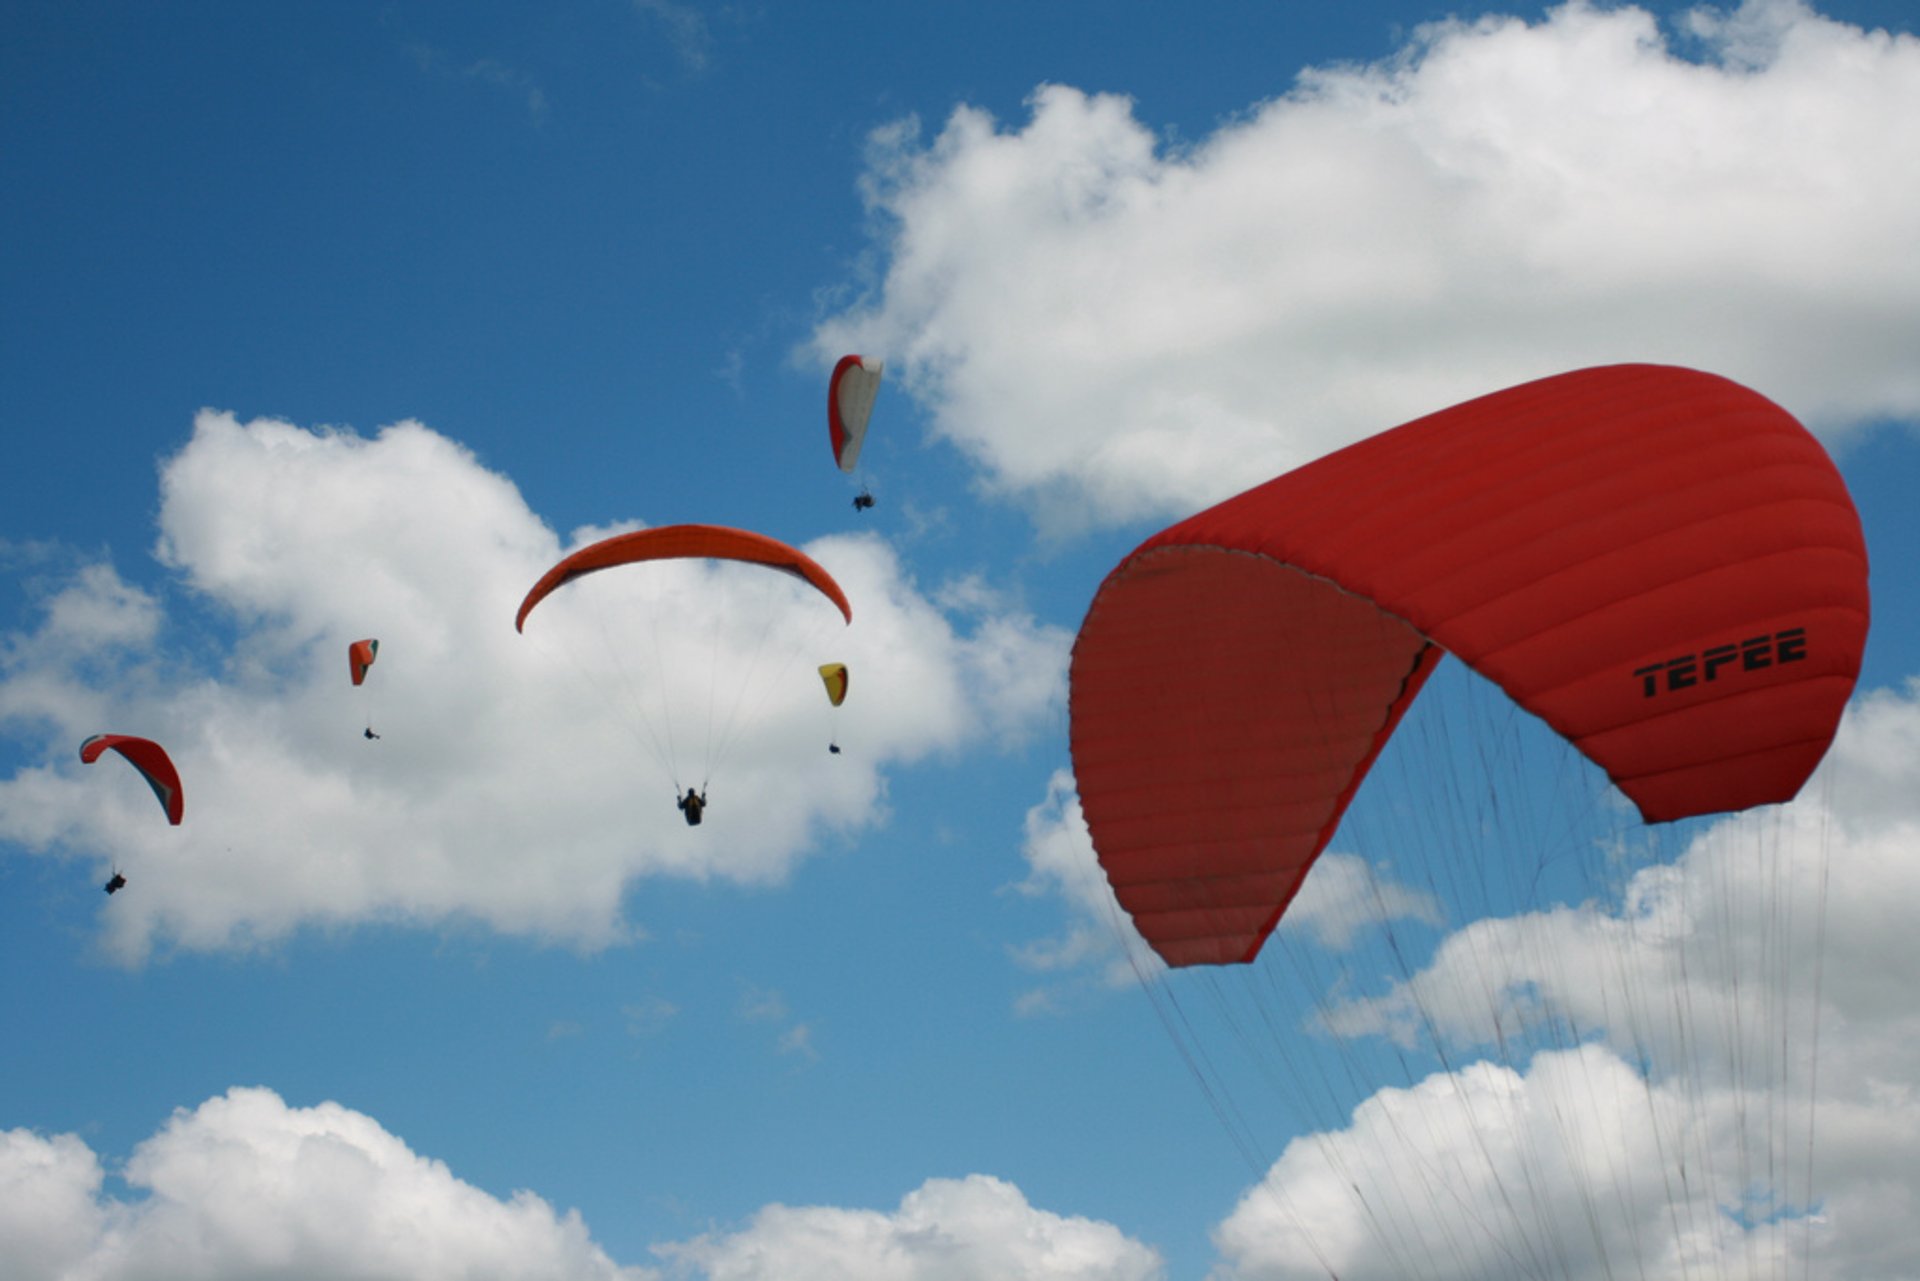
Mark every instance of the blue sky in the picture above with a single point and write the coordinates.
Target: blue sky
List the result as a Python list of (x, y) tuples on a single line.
[(345, 320)]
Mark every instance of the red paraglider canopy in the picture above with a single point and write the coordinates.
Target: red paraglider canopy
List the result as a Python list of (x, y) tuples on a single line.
[(669, 542), (850, 395), (1661, 564), (360, 656), (153, 763)]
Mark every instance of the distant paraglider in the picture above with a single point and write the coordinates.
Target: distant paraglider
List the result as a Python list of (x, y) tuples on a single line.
[(679, 542), (850, 395), (153, 764), (360, 656), (652, 690), (834, 677)]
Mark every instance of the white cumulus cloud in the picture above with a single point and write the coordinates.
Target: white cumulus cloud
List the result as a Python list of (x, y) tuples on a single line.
[(972, 1229), (245, 1186), (1112, 326)]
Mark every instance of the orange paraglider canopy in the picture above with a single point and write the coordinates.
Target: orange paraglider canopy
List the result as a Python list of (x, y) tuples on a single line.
[(1662, 565), (671, 542), (360, 656)]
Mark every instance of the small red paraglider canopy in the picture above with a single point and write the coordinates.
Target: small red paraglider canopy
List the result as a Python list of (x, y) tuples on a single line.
[(153, 763)]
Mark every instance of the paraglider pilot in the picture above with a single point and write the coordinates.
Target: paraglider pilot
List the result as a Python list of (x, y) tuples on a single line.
[(692, 805), (862, 501), (369, 733), (114, 884)]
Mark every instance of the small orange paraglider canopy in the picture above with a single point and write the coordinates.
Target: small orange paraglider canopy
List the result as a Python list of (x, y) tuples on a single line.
[(670, 542), (360, 656)]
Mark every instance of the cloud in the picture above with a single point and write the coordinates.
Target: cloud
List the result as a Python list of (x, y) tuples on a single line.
[(972, 1229), (1345, 894), (1526, 1086), (1785, 914), (245, 1186), (1113, 327), (503, 789), (1491, 1172), (769, 1006), (489, 72), (1061, 863), (1698, 1018), (50, 1214), (686, 30), (647, 1016)]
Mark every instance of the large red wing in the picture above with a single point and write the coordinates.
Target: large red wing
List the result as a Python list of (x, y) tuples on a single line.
[(1661, 564)]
